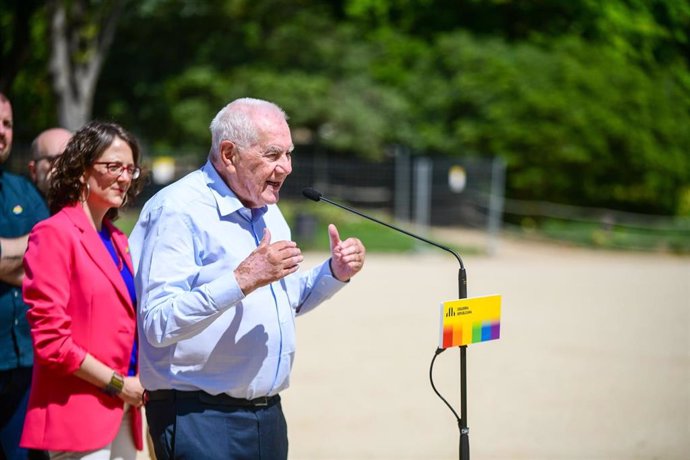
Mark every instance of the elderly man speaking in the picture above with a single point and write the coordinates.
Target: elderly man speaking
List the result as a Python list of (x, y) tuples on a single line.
[(219, 288)]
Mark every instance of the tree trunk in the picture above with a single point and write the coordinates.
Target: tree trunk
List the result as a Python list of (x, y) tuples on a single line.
[(76, 61)]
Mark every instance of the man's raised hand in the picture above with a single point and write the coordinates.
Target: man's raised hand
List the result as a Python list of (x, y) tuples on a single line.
[(267, 263), (347, 257)]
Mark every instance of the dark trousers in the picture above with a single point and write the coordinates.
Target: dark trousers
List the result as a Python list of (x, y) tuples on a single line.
[(194, 425), (14, 397)]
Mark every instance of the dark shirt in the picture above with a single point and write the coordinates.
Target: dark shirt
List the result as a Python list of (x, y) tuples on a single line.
[(21, 207)]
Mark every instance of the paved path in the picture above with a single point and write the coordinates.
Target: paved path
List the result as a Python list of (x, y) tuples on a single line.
[(593, 362)]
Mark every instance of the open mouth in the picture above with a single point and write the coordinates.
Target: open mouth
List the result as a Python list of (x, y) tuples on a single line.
[(275, 185)]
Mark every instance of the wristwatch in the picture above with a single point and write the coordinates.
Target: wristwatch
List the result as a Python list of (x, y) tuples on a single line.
[(116, 384)]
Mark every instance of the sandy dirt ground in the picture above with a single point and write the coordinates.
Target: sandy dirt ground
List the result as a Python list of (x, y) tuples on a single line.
[(593, 360)]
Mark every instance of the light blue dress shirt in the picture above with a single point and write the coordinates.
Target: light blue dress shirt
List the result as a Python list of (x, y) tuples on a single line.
[(197, 330)]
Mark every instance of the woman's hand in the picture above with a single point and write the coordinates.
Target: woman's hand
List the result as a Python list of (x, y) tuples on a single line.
[(132, 392)]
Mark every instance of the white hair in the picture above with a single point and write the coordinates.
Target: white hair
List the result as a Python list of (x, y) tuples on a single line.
[(235, 123)]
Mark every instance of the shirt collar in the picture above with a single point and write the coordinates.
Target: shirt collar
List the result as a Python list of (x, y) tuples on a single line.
[(226, 200)]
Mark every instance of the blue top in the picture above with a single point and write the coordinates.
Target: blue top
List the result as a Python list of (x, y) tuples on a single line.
[(21, 207), (127, 277), (197, 329)]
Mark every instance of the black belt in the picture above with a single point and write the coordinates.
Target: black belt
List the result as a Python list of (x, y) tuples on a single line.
[(220, 399)]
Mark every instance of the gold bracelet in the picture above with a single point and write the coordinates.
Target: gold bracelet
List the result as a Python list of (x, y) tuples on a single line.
[(116, 384)]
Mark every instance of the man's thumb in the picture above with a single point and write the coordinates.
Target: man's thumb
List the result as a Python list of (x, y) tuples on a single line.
[(333, 235)]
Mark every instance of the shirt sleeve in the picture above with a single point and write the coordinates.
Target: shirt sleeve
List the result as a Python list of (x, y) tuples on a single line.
[(46, 289), (314, 287), (179, 295)]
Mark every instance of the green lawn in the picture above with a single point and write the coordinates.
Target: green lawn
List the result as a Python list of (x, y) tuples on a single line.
[(309, 224), (674, 238)]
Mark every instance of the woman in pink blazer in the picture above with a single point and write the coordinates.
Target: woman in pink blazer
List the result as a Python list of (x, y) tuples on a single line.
[(86, 394)]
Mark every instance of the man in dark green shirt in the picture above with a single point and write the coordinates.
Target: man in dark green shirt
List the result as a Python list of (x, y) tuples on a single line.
[(21, 207)]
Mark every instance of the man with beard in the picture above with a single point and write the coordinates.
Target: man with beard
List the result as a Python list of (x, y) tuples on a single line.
[(21, 206)]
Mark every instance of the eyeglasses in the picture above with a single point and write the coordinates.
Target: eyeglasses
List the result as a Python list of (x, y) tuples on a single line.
[(116, 169)]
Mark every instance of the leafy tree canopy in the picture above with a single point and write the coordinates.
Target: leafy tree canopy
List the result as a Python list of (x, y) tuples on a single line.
[(588, 101)]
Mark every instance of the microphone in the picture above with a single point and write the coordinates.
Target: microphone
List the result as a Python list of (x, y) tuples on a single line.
[(312, 194), (315, 195)]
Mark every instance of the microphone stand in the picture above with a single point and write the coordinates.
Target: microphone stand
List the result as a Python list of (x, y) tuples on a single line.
[(462, 294)]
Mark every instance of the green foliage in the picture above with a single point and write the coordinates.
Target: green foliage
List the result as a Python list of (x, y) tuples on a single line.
[(31, 92), (588, 101), (575, 123), (339, 104)]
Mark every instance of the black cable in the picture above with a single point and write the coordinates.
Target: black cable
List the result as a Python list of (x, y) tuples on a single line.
[(431, 379)]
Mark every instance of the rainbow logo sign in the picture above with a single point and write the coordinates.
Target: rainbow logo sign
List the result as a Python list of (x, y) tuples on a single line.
[(467, 321)]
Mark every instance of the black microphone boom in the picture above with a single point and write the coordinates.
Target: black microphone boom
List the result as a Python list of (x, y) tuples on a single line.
[(315, 195)]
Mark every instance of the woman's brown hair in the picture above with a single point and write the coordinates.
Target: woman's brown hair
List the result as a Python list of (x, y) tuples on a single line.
[(83, 149)]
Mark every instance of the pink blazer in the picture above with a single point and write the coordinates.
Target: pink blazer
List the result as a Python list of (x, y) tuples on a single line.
[(78, 303)]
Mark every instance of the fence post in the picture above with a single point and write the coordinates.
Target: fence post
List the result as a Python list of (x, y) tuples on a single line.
[(402, 184), (496, 201), (422, 182)]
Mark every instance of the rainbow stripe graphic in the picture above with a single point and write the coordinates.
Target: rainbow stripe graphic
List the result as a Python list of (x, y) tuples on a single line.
[(473, 320)]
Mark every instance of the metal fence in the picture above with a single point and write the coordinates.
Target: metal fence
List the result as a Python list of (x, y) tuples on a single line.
[(467, 193), (437, 191), (443, 192)]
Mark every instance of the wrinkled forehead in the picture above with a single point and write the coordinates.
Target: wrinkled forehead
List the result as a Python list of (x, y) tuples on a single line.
[(274, 130)]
